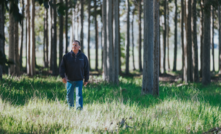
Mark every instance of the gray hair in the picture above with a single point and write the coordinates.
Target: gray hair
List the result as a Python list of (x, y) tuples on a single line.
[(76, 41)]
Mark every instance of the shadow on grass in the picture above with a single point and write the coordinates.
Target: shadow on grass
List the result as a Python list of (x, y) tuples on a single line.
[(19, 92)]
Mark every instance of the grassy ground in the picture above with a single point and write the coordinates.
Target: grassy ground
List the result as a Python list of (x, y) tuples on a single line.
[(38, 105)]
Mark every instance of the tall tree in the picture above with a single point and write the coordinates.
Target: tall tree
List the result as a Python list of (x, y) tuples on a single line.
[(132, 28), (16, 50), (156, 48), (104, 40), (50, 36), (54, 39), (22, 35), (168, 36), (116, 42), (11, 42), (206, 78), (96, 35), (182, 36), (219, 16), (212, 36), (109, 25), (28, 38), (139, 36), (188, 45), (82, 26), (66, 26), (88, 38), (1, 35), (164, 36), (46, 38), (148, 68), (127, 43), (72, 36), (32, 46), (175, 38), (201, 35), (61, 29), (194, 42)]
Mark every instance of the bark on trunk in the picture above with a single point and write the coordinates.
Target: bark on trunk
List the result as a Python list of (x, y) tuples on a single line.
[(168, 37), (109, 41), (164, 36), (66, 27), (182, 37), (175, 38), (116, 42), (46, 39), (148, 64), (139, 37), (16, 50), (82, 26), (219, 16), (104, 41), (127, 43), (212, 36), (88, 38), (28, 39), (32, 48), (2, 34), (54, 40), (206, 45), (156, 48), (61, 19), (201, 36), (22, 35), (96, 35), (132, 27), (194, 43), (11, 43)]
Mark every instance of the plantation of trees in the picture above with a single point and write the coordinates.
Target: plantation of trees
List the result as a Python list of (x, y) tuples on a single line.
[(155, 65)]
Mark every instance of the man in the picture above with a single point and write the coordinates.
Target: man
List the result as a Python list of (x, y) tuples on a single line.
[(73, 69)]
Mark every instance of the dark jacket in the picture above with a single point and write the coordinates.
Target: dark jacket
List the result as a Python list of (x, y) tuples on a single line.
[(74, 68)]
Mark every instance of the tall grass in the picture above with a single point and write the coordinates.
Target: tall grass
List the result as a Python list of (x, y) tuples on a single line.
[(38, 105)]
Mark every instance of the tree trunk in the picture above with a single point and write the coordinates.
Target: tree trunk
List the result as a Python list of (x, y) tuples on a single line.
[(109, 40), (2, 34), (82, 26), (22, 35), (194, 43), (104, 41), (132, 27), (127, 43), (72, 36), (66, 27), (116, 42), (212, 36), (156, 48), (96, 35), (16, 50), (28, 38), (50, 37), (175, 38), (61, 19), (182, 37), (46, 38), (32, 48), (54, 40), (139, 37), (168, 37), (164, 36), (88, 38), (148, 64), (11, 43), (206, 45), (219, 16), (188, 45), (201, 36)]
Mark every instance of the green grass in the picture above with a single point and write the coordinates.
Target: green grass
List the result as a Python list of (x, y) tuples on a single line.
[(38, 105)]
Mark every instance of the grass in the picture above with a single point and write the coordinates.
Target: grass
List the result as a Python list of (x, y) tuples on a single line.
[(38, 105)]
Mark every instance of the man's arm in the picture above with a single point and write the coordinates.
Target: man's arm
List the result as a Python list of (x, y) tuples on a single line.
[(62, 70)]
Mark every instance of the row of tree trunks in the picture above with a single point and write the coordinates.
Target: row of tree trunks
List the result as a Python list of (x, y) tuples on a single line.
[(2, 22)]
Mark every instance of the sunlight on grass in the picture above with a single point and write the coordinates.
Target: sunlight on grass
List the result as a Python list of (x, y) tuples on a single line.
[(39, 106)]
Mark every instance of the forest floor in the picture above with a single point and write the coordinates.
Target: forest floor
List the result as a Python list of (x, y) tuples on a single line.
[(38, 105)]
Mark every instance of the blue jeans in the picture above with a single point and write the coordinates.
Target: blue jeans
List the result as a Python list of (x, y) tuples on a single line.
[(71, 85)]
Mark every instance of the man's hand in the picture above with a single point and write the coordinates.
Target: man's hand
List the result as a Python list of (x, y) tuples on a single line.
[(64, 80), (85, 84)]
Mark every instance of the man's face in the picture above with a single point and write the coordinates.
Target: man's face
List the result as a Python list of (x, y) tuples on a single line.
[(75, 46)]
